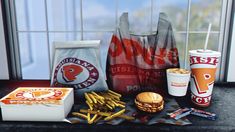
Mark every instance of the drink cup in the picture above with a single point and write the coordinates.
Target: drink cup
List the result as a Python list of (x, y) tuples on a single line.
[(177, 81), (203, 64)]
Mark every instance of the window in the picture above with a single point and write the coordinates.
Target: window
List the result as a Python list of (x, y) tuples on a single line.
[(40, 22)]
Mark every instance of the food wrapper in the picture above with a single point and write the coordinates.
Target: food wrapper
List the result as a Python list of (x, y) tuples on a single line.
[(76, 64)]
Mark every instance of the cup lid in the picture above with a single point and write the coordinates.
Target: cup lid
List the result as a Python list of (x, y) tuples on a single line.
[(202, 52)]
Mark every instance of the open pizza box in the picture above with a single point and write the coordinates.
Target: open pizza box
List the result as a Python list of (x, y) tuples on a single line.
[(37, 104)]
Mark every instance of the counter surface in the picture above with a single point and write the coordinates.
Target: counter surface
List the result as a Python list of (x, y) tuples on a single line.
[(223, 104)]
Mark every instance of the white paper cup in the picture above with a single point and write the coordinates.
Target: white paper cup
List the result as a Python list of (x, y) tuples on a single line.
[(177, 82)]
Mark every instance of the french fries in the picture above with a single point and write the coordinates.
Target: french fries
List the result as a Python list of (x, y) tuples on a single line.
[(105, 114), (108, 101), (79, 115), (103, 106), (92, 98), (89, 105), (97, 119), (92, 119), (88, 117), (114, 93), (95, 112), (88, 98), (114, 115)]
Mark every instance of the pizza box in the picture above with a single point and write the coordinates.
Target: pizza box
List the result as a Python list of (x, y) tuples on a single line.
[(37, 104)]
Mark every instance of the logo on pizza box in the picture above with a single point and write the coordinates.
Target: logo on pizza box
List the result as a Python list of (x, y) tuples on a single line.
[(38, 94)]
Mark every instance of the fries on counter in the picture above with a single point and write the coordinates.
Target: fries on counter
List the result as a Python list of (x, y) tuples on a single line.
[(106, 106)]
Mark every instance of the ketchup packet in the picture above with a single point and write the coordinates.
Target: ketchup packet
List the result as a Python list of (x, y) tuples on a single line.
[(77, 64)]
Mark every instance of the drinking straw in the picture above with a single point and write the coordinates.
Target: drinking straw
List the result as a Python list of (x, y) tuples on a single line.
[(207, 37)]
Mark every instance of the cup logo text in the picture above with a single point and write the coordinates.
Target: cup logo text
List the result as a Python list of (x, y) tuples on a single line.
[(203, 77), (203, 60)]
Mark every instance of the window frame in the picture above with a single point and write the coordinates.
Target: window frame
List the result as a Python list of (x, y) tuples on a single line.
[(4, 74), (223, 35), (12, 40), (231, 48)]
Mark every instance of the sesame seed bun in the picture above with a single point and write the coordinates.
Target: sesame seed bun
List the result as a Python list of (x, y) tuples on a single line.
[(149, 102)]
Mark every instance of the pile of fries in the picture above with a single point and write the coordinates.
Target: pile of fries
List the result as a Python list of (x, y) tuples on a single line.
[(103, 106)]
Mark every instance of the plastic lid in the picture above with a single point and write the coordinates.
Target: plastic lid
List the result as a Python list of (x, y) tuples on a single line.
[(202, 52)]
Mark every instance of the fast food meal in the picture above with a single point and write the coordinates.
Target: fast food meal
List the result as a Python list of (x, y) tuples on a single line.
[(105, 105), (149, 102)]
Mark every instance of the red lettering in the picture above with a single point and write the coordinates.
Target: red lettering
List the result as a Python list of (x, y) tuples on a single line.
[(148, 56), (204, 60), (160, 56), (173, 56), (201, 101), (116, 45), (133, 48)]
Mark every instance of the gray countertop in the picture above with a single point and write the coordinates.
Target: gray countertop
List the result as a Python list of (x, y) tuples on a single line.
[(223, 104)]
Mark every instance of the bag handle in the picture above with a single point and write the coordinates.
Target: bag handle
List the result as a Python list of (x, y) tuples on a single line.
[(124, 25), (163, 33)]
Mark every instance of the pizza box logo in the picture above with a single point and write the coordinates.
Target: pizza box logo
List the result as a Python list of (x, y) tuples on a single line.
[(38, 94)]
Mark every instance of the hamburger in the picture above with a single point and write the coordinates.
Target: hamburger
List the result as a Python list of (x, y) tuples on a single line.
[(149, 102)]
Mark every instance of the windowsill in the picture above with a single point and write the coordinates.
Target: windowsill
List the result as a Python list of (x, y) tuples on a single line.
[(222, 104)]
